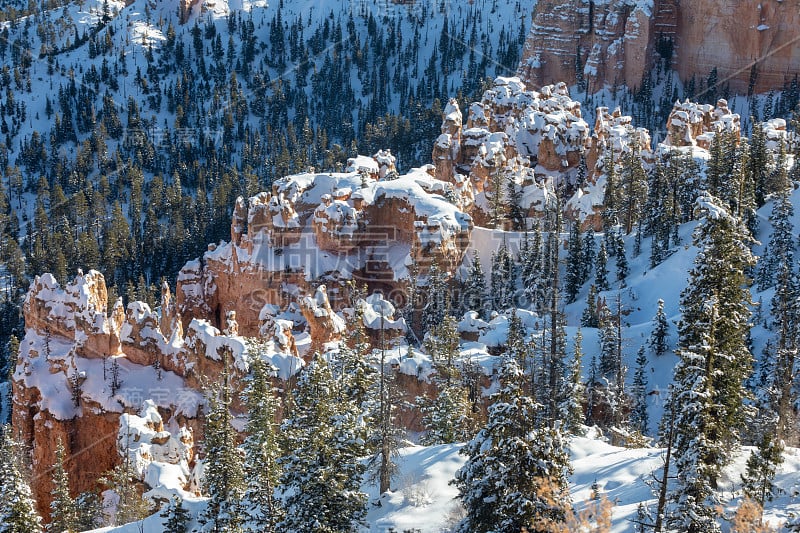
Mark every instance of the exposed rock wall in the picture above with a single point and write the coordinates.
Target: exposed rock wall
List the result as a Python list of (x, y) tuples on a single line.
[(79, 370), (604, 42), (615, 41)]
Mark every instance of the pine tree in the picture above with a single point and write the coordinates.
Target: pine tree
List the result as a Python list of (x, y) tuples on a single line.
[(176, 515), (130, 505), (224, 475), (446, 416), (757, 481), (17, 508), (714, 362), (261, 450), (601, 269), (612, 371), (590, 318), (502, 279), (516, 214), (576, 394), (385, 435), (660, 334), (618, 250), (474, 296), (589, 254), (575, 264), (64, 513), (633, 185), (639, 417), (90, 510), (515, 476), (437, 304), (322, 473), (780, 249)]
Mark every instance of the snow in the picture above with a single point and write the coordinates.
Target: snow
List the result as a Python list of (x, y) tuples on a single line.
[(422, 498)]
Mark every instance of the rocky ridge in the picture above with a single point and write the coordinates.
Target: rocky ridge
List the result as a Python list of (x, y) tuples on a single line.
[(617, 41)]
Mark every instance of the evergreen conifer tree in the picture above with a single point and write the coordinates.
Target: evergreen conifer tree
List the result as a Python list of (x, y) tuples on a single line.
[(17, 508), (322, 473), (437, 304), (515, 476), (639, 417), (590, 318), (601, 269), (261, 450), (446, 416), (589, 254), (224, 475), (660, 334), (714, 363), (575, 264), (576, 394), (64, 513), (780, 249), (474, 297), (757, 481), (176, 515)]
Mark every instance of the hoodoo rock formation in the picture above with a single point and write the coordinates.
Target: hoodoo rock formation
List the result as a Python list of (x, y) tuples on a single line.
[(616, 42), (288, 283)]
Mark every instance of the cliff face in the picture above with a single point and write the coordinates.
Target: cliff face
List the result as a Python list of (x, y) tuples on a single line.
[(326, 227), (732, 34), (81, 369), (607, 42), (614, 42)]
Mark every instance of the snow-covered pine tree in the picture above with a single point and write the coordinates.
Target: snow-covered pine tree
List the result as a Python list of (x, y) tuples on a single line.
[(572, 404), (322, 471), (63, 512), (532, 267), (384, 435), (89, 506), (659, 337), (17, 508), (601, 269), (611, 198), (714, 363), (516, 346), (474, 295), (612, 371), (176, 516), (223, 475), (780, 249), (121, 479), (516, 213), (515, 476), (261, 451), (633, 188), (782, 392), (621, 257), (762, 465), (589, 254), (639, 417), (590, 317), (757, 163), (446, 416), (501, 279), (575, 264), (442, 344), (352, 367), (437, 303)]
